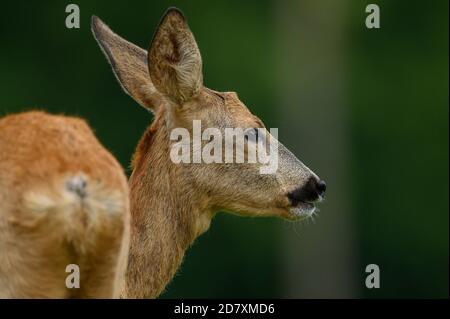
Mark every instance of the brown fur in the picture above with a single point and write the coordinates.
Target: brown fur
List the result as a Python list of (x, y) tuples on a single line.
[(172, 204), (43, 225)]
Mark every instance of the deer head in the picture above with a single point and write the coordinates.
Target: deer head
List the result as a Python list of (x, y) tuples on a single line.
[(168, 81)]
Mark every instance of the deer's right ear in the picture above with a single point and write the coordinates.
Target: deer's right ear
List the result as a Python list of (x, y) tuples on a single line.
[(174, 60), (129, 64)]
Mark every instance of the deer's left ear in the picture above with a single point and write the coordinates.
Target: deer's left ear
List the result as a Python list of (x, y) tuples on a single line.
[(174, 60)]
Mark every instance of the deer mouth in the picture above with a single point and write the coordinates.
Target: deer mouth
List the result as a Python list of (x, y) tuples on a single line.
[(302, 210)]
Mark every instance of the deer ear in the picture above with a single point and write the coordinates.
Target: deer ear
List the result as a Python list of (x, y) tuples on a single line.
[(174, 60), (129, 64)]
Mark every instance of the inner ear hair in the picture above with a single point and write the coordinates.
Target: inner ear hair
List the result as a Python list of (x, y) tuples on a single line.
[(174, 60)]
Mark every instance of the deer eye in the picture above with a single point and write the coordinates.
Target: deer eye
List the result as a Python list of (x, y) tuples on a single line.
[(252, 134), (220, 96)]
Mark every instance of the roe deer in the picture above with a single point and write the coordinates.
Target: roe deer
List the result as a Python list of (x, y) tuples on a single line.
[(172, 204), (63, 200)]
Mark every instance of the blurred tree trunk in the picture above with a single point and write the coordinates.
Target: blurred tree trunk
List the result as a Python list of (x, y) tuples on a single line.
[(319, 257)]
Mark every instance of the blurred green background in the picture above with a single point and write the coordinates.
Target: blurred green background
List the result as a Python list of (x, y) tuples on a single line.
[(365, 109)]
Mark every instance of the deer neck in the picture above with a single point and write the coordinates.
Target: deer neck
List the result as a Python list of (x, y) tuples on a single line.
[(166, 216)]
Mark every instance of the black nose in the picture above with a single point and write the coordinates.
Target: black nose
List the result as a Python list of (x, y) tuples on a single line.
[(310, 192), (321, 188)]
